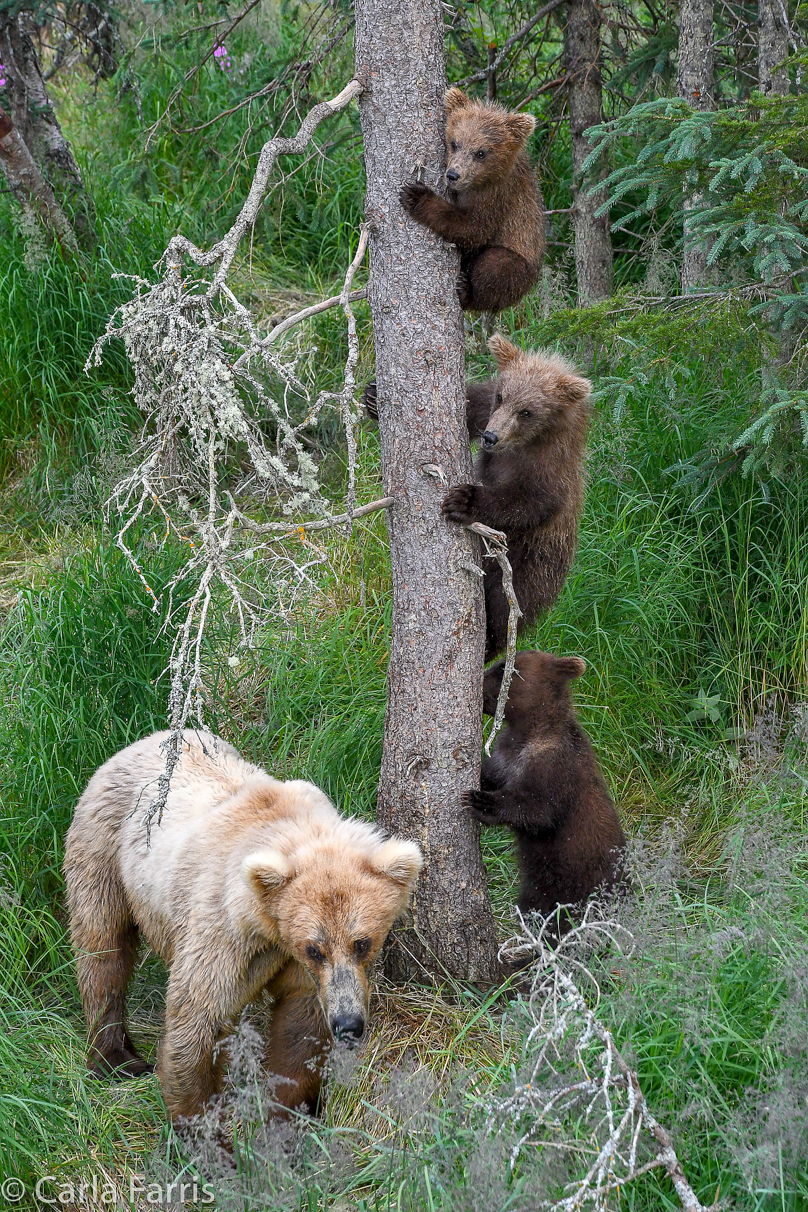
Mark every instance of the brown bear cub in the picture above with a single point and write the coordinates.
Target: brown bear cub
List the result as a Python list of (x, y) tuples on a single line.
[(495, 213), (533, 421), (543, 780), (248, 885)]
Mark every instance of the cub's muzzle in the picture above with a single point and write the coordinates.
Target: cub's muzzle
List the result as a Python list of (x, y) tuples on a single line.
[(452, 175)]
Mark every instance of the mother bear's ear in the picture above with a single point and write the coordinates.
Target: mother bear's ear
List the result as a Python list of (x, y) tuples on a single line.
[(400, 861), (266, 871)]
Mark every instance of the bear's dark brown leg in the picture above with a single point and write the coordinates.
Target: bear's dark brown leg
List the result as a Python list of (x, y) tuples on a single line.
[(103, 978), (497, 279), (497, 613), (299, 1041)]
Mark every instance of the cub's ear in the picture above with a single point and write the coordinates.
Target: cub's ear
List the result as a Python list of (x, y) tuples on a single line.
[(456, 99), (266, 871), (573, 389), (504, 352), (570, 667), (521, 126), (400, 861)]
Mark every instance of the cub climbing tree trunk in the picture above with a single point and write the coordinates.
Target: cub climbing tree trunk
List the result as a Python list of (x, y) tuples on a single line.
[(593, 241), (694, 84), (432, 735)]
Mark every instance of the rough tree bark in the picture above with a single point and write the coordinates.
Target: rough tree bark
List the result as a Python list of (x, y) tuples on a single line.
[(694, 84), (433, 726), (26, 181), (772, 46), (593, 241), (33, 116)]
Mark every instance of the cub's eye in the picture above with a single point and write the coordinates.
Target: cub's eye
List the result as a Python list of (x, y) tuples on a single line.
[(526, 413), (453, 145), (361, 947), (315, 954), (481, 154), (499, 397)]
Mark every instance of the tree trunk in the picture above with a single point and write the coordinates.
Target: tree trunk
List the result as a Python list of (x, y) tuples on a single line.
[(772, 46), (593, 241), (26, 181), (33, 116), (694, 84), (433, 727)]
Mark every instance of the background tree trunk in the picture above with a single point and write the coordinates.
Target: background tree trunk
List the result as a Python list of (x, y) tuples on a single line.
[(694, 84), (432, 737), (33, 191), (33, 116), (772, 46), (593, 242)]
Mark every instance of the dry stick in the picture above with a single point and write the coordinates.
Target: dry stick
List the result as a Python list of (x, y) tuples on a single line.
[(291, 321), (350, 417), (496, 547), (289, 528), (224, 250), (561, 999), (514, 38)]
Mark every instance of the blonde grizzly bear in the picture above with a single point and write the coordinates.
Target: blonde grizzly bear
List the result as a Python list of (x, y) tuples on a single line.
[(533, 421), (248, 884), (494, 213)]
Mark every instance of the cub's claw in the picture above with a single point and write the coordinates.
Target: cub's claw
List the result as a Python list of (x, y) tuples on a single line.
[(458, 504), (370, 402), (479, 804), (414, 193), (463, 289)]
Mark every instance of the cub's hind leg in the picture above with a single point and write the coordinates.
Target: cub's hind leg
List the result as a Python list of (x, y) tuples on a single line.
[(299, 1041)]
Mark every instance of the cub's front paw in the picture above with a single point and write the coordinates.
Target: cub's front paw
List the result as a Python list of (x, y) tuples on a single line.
[(370, 402), (481, 805), (458, 504), (414, 195)]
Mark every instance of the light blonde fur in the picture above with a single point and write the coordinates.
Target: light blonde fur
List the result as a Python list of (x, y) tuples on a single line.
[(244, 874)]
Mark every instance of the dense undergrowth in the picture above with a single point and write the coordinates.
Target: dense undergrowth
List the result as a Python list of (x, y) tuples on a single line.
[(687, 600)]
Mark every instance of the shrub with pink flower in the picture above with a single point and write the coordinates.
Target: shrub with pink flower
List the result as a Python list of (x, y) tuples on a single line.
[(222, 58), (2, 76)]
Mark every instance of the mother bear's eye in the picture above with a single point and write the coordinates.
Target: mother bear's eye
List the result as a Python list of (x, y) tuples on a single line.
[(315, 954), (525, 413), (481, 154), (499, 397), (361, 947), (453, 145)]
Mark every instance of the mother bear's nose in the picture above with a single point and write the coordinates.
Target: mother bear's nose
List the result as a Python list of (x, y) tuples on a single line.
[(489, 438), (452, 174), (348, 1026)]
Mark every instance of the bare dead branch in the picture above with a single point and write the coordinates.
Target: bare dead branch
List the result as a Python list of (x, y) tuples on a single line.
[(495, 546), (574, 1065), (225, 249), (299, 316)]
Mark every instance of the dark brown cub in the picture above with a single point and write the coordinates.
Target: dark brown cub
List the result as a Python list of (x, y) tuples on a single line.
[(543, 780)]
